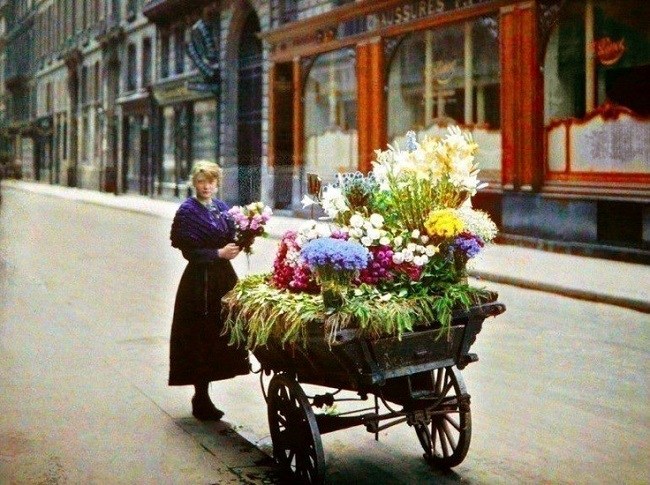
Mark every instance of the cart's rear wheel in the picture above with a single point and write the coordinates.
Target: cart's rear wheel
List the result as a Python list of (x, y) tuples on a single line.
[(297, 445), (446, 439)]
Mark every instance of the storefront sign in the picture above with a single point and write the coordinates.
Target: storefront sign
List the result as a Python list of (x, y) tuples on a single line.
[(368, 23), (416, 10)]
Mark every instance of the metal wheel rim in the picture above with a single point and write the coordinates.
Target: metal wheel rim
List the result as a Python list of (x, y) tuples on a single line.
[(297, 445)]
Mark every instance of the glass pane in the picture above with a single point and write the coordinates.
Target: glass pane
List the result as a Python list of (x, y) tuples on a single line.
[(618, 65), (331, 115), (449, 76), (204, 130), (597, 62), (133, 173), (168, 148), (622, 51)]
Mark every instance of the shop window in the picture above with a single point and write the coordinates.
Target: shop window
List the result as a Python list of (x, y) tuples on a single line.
[(179, 50), (85, 139), (204, 131), (282, 140), (596, 74), (131, 67), (84, 85), (131, 9), (599, 51), (449, 76), (97, 87), (134, 125), (146, 61), (169, 158), (164, 55), (331, 115)]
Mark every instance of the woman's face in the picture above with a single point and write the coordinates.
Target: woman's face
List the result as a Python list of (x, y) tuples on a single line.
[(205, 187)]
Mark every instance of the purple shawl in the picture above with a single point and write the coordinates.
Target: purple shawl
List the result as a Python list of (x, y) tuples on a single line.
[(195, 226)]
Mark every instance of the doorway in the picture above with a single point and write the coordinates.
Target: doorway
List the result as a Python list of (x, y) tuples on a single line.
[(249, 116)]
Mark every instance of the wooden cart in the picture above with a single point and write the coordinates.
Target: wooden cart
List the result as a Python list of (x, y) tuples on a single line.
[(417, 379)]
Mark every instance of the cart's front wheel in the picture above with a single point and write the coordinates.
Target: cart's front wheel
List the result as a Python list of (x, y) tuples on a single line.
[(446, 439), (297, 445)]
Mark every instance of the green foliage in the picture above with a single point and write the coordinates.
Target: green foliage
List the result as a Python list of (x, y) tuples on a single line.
[(256, 311)]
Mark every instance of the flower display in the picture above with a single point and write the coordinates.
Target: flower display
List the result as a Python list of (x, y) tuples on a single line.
[(443, 223), (468, 244), (394, 248), (335, 263), (337, 255), (438, 173), (249, 223), (413, 213), (380, 266)]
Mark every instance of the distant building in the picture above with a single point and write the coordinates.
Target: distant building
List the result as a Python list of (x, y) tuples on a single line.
[(6, 150), (554, 91)]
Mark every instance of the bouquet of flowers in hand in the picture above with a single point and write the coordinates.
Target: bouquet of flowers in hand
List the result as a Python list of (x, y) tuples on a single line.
[(249, 223)]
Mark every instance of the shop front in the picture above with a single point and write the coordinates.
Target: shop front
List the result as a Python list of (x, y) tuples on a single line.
[(563, 142), (137, 168), (188, 132), (44, 154)]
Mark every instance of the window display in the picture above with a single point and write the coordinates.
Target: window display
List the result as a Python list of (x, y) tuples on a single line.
[(449, 76), (331, 115)]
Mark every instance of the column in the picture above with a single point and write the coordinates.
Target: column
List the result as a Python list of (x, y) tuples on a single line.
[(378, 122), (521, 98), (298, 134), (428, 77), (590, 58)]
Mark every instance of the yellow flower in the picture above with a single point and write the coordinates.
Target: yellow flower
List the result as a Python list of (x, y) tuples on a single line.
[(443, 223)]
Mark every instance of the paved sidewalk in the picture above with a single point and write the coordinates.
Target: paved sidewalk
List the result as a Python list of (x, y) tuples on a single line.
[(599, 280)]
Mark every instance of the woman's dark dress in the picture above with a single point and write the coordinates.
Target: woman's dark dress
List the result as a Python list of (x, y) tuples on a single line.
[(198, 353)]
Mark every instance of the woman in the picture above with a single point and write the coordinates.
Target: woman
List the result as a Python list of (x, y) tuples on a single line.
[(204, 233)]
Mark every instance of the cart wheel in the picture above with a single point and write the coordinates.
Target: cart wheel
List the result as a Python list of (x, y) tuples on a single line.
[(297, 445), (446, 439)]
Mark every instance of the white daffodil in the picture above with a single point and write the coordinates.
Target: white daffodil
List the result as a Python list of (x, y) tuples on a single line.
[(334, 202), (366, 241), (430, 250), (384, 241), (424, 238), (415, 234), (398, 258), (398, 241), (373, 233), (411, 247), (408, 255), (377, 220), (356, 221), (356, 233)]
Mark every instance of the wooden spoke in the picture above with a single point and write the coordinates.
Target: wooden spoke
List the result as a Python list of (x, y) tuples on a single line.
[(297, 445), (446, 440)]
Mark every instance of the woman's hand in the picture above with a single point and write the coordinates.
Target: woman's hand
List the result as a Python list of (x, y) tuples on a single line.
[(229, 251)]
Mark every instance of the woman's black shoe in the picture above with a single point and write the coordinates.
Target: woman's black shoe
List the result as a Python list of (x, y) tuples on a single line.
[(204, 410)]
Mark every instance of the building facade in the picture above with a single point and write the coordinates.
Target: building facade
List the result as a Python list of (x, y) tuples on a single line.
[(6, 156), (554, 91)]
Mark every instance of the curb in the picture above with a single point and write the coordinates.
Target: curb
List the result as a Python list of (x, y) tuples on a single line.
[(77, 195), (593, 296)]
